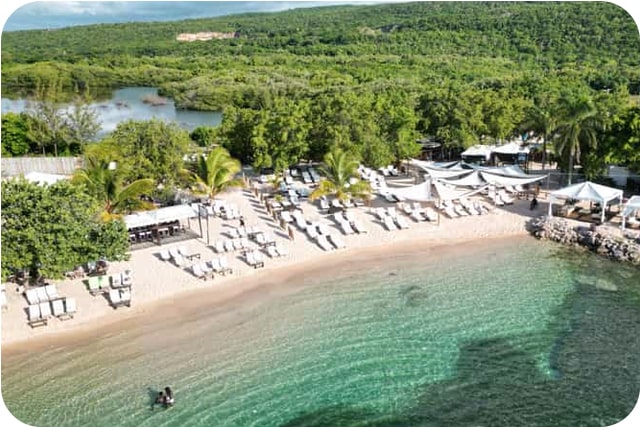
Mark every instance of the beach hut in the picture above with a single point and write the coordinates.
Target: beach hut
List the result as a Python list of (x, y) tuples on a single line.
[(630, 208), (587, 191)]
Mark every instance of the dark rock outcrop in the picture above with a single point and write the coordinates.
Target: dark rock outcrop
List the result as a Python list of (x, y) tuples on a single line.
[(603, 241)]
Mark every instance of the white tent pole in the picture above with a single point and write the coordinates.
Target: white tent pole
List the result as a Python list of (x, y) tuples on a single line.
[(604, 206), (551, 200)]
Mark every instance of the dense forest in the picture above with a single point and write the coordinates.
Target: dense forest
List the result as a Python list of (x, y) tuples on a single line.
[(369, 79)]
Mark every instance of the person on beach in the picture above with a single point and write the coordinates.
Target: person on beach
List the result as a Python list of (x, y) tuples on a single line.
[(241, 219), (160, 398), (534, 203), (168, 397)]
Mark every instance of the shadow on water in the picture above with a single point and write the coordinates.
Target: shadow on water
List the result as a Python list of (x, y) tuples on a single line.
[(594, 343)]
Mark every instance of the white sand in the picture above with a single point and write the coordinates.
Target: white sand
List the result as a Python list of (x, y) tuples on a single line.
[(156, 281)]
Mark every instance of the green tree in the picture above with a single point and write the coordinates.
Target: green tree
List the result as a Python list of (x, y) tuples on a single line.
[(340, 171), (217, 172), (15, 141), (153, 149), (577, 131), (51, 229), (204, 136), (106, 184)]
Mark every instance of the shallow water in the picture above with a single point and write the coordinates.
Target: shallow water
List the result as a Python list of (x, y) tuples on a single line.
[(514, 332)]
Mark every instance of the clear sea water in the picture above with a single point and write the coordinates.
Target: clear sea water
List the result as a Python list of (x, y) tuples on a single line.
[(506, 333)]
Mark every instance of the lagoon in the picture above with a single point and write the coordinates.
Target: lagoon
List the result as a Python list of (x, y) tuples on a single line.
[(127, 104)]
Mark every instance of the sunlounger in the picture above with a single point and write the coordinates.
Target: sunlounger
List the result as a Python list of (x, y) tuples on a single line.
[(388, 223), (321, 239), (32, 296), (52, 292), (197, 271), (35, 319), (224, 264), (401, 222), (336, 241), (357, 225), (164, 255), (57, 307), (45, 310), (42, 294)]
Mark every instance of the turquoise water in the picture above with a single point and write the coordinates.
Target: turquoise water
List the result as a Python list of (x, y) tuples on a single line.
[(516, 332)]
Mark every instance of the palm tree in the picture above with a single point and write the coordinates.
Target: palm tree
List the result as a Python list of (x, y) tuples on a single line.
[(577, 131), (340, 170), (105, 183), (217, 172)]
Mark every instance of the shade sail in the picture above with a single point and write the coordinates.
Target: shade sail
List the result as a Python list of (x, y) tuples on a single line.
[(417, 193), (587, 191), (510, 180), (437, 172), (474, 179), (448, 193)]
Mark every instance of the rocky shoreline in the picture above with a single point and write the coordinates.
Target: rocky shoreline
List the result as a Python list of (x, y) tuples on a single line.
[(601, 240)]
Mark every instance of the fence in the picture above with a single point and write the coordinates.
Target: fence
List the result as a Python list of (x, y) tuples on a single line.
[(15, 166)]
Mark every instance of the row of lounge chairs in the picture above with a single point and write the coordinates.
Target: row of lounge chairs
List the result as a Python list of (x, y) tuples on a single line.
[(179, 255), (320, 233), (206, 269), (390, 218), (500, 197), (40, 313), (276, 250), (220, 208), (463, 208), (348, 223), (418, 213), (42, 294), (242, 231), (231, 245), (101, 284)]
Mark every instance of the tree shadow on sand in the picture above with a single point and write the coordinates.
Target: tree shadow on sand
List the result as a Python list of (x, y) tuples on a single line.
[(595, 355)]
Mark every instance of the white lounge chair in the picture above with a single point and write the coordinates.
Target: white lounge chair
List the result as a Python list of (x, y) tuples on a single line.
[(237, 244), (174, 252), (336, 241), (125, 296), (450, 212), (57, 307), (272, 251), (224, 264), (388, 223), (42, 294), (32, 296), (52, 292), (215, 266), (321, 239), (282, 251), (164, 255), (228, 245), (45, 310), (35, 319), (197, 271), (179, 260), (70, 306), (116, 280), (208, 271), (252, 260), (431, 214), (312, 231), (286, 216), (346, 228), (401, 222), (357, 225)]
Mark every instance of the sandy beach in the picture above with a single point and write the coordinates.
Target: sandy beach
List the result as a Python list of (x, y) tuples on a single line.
[(160, 285)]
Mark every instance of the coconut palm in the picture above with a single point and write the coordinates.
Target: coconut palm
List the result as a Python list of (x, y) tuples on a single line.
[(577, 131), (217, 172), (105, 183), (340, 171)]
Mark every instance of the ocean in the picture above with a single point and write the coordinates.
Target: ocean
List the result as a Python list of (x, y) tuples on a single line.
[(497, 333)]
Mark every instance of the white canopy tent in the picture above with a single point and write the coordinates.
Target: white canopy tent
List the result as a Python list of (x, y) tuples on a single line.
[(478, 151), (159, 216), (512, 148), (586, 191), (630, 208), (511, 179)]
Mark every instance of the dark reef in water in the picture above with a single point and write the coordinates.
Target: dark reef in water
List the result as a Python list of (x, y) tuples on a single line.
[(594, 378)]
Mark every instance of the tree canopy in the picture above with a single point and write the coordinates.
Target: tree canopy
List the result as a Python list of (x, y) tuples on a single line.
[(53, 228)]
